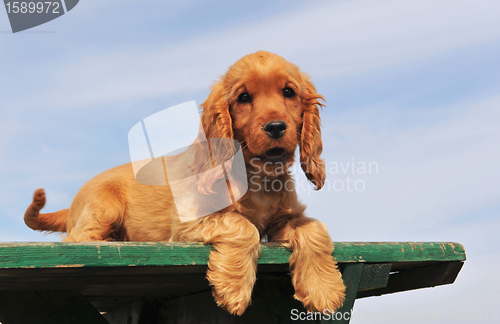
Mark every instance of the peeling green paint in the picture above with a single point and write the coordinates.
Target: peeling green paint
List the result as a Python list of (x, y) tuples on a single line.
[(103, 254)]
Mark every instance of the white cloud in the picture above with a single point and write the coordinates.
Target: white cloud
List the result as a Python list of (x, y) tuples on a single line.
[(329, 40)]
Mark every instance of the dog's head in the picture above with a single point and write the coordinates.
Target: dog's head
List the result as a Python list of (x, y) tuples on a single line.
[(270, 107)]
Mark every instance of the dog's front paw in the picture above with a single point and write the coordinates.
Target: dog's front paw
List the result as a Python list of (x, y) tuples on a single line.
[(232, 292), (319, 286), (232, 264)]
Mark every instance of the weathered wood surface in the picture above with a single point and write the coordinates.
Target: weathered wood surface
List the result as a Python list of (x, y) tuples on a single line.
[(120, 254)]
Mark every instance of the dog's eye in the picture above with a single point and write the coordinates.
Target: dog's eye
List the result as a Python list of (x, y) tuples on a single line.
[(244, 97), (288, 92)]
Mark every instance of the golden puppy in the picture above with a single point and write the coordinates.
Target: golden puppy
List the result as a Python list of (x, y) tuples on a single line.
[(270, 107)]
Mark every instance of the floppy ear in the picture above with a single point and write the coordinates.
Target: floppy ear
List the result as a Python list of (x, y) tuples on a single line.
[(215, 117), (310, 138), (217, 123)]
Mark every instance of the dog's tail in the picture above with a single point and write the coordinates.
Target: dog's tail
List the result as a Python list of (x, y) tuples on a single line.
[(55, 222)]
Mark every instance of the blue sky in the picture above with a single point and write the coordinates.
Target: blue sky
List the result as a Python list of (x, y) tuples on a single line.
[(412, 86)]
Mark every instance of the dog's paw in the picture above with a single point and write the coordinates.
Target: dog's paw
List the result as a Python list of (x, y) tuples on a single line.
[(319, 286), (232, 264), (232, 292)]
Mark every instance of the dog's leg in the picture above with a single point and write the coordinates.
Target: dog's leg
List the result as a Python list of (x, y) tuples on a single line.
[(317, 281), (233, 263), (89, 232), (95, 222)]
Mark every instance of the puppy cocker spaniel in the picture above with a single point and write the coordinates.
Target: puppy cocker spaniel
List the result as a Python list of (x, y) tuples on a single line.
[(270, 107)]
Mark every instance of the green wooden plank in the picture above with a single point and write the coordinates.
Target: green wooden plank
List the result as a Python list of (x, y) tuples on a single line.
[(101, 254), (398, 251), (110, 254)]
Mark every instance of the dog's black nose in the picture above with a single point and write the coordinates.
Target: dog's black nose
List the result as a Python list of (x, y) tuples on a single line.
[(275, 129)]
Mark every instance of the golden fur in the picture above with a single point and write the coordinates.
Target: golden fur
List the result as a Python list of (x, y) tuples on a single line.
[(114, 206)]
